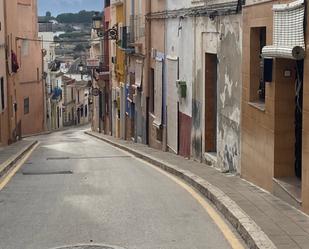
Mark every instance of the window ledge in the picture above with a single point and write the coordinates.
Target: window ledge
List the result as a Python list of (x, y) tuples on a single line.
[(258, 105)]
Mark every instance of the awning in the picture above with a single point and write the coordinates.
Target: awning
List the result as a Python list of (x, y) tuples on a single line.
[(288, 32)]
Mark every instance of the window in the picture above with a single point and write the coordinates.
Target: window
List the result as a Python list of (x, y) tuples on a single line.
[(257, 81), (86, 110), (26, 105), (2, 97)]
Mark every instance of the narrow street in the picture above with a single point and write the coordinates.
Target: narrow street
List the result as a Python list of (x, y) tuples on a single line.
[(75, 189)]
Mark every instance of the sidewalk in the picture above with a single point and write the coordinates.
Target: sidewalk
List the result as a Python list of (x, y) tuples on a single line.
[(11, 154), (262, 220)]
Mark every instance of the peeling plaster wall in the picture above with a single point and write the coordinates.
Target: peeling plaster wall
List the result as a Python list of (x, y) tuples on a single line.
[(229, 89), (197, 36), (222, 37)]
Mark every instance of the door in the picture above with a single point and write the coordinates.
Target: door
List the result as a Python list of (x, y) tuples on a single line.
[(210, 102)]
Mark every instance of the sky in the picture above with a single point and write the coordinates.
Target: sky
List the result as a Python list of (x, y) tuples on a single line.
[(63, 6)]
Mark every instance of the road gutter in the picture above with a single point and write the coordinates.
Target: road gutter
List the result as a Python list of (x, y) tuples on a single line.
[(13, 160), (251, 233)]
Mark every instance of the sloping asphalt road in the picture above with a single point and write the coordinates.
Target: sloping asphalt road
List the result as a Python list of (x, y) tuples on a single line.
[(75, 189)]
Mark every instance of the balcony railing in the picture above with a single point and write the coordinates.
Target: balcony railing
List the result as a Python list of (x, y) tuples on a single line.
[(137, 27), (126, 40), (102, 73)]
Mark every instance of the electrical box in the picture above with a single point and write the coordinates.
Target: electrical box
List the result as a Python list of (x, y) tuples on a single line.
[(182, 88)]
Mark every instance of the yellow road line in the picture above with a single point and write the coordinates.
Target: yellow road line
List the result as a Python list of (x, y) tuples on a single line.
[(13, 171), (218, 220)]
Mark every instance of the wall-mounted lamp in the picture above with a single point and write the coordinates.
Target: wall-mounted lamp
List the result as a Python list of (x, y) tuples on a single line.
[(97, 25)]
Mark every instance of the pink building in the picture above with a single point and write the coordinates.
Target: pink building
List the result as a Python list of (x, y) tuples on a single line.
[(25, 102)]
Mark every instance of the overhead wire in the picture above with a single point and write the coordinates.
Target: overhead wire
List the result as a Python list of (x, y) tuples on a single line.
[(60, 41)]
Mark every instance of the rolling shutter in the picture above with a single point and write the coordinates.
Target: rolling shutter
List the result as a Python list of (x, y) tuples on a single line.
[(158, 93), (172, 100), (288, 32)]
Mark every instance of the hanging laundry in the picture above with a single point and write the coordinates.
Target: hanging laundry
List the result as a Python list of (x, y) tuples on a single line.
[(15, 65)]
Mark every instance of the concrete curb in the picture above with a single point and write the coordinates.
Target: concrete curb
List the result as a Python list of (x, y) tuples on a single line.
[(251, 233), (10, 163)]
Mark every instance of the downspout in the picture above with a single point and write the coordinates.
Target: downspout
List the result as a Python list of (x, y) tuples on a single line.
[(194, 94), (7, 69), (147, 64), (43, 90), (164, 145)]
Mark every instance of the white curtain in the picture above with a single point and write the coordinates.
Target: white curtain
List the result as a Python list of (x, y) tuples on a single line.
[(158, 93), (138, 73)]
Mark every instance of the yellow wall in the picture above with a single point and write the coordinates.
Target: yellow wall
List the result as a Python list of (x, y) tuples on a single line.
[(120, 56)]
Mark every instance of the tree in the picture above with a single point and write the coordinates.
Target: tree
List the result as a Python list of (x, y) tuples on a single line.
[(48, 14), (80, 17)]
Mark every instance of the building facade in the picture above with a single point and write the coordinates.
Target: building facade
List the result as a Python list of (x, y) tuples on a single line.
[(175, 91), (220, 81), (46, 34), (24, 112), (99, 53), (274, 104), (4, 116)]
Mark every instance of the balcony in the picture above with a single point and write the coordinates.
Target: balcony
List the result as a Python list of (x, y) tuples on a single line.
[(116, 2), (102, 73), (125, 40)]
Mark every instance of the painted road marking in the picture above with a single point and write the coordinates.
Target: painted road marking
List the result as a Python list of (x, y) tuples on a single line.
[(20, 163), (214, 215)]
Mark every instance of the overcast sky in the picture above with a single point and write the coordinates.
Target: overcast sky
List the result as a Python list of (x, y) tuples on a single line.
[(64, 6)]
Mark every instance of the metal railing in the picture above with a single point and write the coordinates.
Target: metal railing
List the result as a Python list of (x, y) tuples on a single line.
[(137, 27), (104, 63)]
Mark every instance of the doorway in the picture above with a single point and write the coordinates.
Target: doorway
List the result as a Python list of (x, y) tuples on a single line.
[(298, 117), (288, 130), (210, 102)]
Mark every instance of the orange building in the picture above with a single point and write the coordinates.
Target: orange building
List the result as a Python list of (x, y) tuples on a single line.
[(25, 94), (3, 81), (274, 99)]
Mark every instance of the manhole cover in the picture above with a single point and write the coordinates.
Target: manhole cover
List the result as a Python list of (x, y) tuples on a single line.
[(90, 247)]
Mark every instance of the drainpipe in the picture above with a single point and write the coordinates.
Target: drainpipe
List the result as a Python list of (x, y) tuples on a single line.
[(164, 145), (101, 100), (7, 70), (194, 96), (147, 64), (44, 91)]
